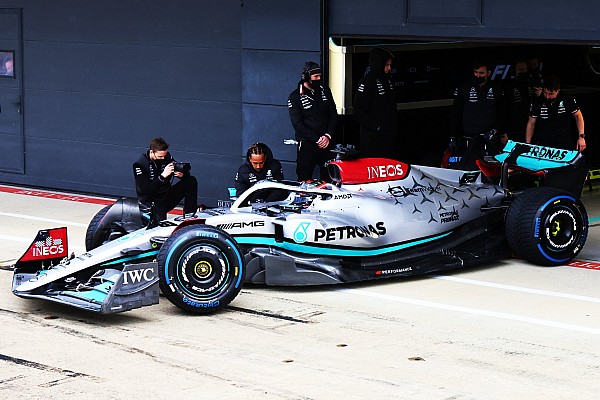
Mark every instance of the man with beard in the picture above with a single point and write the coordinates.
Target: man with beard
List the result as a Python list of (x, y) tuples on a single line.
[(477, 114), (154, 173), (374, 108), (259, 165), (314, 117), (550, 117)]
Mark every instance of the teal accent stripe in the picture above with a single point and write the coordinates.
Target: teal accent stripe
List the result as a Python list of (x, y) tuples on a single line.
[(137, 257), (96, 295), (595, 219), (304, 248)]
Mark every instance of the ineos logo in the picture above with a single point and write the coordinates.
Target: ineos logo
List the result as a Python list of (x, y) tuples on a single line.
[(48, 247), (385, 171)]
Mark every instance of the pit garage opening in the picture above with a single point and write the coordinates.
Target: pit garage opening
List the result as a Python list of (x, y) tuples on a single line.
[(425, 74)]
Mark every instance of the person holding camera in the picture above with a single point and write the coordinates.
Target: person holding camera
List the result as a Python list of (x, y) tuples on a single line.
[(154, 173)]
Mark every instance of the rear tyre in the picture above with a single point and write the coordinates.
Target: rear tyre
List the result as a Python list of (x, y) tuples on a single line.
[(201, 269), (546, 226)]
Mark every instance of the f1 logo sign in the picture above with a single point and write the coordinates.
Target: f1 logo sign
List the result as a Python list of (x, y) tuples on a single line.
[(137, 276), (501, 71)]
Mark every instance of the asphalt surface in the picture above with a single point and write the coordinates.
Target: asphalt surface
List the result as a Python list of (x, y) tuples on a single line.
[(509, 330)]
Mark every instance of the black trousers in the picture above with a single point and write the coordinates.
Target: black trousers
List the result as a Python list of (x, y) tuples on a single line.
[(186, 189), (308, 156), (469, 150)]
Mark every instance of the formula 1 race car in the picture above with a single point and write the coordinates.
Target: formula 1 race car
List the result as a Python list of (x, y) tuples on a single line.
[(379, 218)]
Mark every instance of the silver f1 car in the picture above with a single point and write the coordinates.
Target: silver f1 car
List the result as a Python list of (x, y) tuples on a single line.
[(379, 218)]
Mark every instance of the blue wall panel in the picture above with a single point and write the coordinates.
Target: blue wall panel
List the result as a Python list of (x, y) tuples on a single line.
[(270, 76), (140, 70), (278, 37), (102, 78), (264, 123), (537, 20), (181, 23), (197, 126), (277, 24)]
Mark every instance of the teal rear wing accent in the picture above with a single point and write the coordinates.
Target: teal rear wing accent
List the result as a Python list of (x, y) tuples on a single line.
[(536, 158)]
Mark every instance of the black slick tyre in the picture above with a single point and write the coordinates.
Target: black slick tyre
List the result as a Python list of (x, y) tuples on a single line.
[(96, 235), (201, 268), (546, 226)]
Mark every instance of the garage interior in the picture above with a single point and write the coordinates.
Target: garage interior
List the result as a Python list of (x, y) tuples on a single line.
[(426, 73)]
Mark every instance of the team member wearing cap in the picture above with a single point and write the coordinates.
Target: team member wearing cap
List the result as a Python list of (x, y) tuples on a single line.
[(314, 117)]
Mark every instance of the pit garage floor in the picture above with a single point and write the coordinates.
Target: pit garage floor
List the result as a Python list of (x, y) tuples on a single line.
[(508, 330)]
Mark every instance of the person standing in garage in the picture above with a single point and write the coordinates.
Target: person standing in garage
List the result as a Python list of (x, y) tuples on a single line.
[(314, 117), (374, 108), (518, 99), (534, 70), (550, 119), (477, 115)]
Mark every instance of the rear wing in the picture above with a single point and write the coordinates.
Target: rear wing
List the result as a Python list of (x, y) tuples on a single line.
[(536, 158), (559, 168)]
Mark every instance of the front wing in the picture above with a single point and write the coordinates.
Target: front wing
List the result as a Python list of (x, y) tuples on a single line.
[(109, 291)]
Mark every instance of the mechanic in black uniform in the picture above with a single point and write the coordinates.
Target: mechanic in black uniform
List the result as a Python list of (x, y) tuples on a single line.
[(259, 165), (477, 114), (550, 119), (517, 93), (536, 79), (374, 108), (154, 173), (314, 117)]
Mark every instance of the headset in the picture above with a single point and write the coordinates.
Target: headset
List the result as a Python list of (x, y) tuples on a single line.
[(310, 68)]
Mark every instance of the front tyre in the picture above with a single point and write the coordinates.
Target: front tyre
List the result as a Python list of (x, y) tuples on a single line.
[(201, 268), (98, 232), (546, 226)]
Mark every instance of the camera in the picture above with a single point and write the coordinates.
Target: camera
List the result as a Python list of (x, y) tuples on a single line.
[(183, 167)]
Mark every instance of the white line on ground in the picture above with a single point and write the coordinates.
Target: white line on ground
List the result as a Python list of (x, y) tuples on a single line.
[(50, 220), (518, 288), (473, 311), (23, 240)]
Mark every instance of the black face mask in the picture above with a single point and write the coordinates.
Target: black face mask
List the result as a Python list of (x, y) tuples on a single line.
[(315, 84), (479, 80)]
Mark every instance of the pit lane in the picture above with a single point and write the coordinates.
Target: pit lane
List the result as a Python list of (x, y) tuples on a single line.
[(506, 330)]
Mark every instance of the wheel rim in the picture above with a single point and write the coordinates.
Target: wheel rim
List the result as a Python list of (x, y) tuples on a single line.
[(560, 229), (202, 270)]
